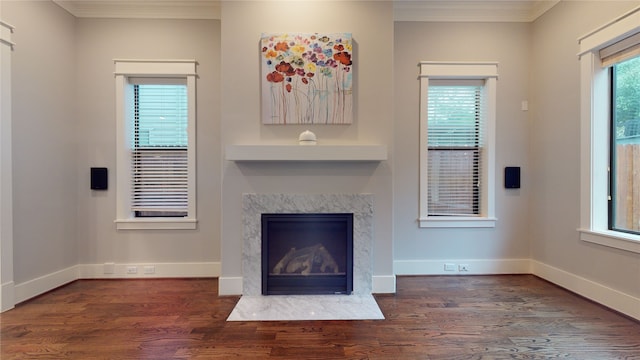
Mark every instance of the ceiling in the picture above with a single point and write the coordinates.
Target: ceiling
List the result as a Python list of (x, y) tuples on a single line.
[(404, 10)]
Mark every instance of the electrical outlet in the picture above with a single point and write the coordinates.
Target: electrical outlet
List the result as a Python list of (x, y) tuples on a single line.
[(149, 269), (463, 267), (132, 269), (449, 267)]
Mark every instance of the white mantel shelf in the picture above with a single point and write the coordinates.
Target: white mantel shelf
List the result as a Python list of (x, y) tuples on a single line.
[(306, 152)]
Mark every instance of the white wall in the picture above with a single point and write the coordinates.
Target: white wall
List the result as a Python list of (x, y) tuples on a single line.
[(99, 41), (555, 150), (504, 248), (63, 120), (43, 138), (371, 25)]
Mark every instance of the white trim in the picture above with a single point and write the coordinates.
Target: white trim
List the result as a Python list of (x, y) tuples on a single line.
[(611, 32), (6, 172), (131, 68), (193, 148), (42, 284), (161, 270), (488, 71), (8, 294), (383, 284), (594, 141), (614, 299), (457, 222), (467, 11), (459, 69), (230, 285), (168, 68), (32, 288), (140, 9), (614, 239), (602, 294), (306, 153), (156, 223), (476, 267)]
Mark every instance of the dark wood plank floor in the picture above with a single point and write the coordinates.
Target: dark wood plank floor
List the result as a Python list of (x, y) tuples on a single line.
[(431, 317)]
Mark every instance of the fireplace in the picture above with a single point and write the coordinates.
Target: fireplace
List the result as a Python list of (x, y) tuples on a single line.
[(254, 205), (359, 305), (306, 253)]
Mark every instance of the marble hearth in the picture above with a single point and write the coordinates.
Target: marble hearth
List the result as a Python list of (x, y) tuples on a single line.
[(359, 305)]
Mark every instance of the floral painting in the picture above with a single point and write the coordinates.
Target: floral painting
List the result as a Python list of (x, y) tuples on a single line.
[(307, 78)]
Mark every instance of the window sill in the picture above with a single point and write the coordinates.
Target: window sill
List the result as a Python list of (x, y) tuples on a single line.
[(614, 239), (156, 224), (457, 222)]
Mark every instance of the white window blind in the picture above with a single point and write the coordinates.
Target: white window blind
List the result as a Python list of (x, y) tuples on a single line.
[(455, 147), (159, 158)]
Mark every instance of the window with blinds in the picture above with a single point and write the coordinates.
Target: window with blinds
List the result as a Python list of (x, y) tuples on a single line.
[(455, 147), (160, 173)]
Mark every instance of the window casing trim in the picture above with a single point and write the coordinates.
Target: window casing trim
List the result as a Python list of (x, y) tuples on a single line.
[(125, 69), (487, 71), (594, 148)]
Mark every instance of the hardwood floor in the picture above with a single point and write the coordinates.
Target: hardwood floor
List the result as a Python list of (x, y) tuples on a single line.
[(430, 317)]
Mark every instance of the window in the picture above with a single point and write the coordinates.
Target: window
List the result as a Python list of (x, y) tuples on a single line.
[(607, 63), (454, 148), (457, 127), (160, 149), (624, 200), (155, 104)]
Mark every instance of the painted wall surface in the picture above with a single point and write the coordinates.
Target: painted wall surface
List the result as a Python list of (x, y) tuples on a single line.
[(43, 138), (507, 44), (371, 25), (64, 123), (99, 42), (555, 148)]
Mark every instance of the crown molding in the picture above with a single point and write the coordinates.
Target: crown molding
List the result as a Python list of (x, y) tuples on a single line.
[(404, 10), (142, 9), (470, 10)]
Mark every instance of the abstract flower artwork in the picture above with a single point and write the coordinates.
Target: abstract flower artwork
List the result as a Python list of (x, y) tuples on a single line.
[(307, 78)]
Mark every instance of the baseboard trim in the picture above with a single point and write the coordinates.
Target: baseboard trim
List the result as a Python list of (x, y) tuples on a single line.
[(8, 296), (230, 285), (624, 303), (384, 284), (476, 267), (160, 270), (32, 288), (29, 289), (599, 293)]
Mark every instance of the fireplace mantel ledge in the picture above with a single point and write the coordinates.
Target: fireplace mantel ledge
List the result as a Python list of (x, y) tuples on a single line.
[(306, 152)]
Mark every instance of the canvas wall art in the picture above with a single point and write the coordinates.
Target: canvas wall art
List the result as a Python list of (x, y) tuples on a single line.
[(307, 78)]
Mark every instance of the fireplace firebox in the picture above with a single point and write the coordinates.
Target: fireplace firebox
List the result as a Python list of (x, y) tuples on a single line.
[(307, 254)]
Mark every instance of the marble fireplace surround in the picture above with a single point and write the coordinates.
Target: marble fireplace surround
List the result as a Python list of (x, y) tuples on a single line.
[(361, 205), (360, 305)]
